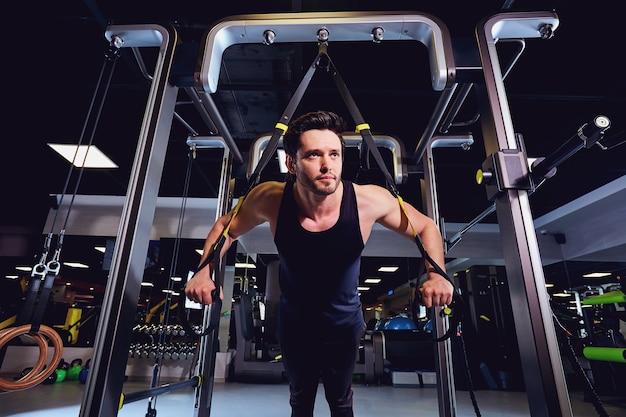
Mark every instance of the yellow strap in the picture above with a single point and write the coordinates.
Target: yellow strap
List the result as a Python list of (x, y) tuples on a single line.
[(235, 211), (8, 322), (121, 404), (362, 126), (281, 126), (402, 206)]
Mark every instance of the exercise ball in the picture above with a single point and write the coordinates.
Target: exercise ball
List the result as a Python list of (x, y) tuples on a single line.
[(400, 323)]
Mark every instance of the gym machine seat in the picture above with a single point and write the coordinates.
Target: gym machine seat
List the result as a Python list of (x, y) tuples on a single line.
[(246, 366), (403, 350)]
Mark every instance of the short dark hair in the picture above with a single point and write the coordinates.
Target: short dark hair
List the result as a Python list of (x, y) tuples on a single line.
[(321, 119)]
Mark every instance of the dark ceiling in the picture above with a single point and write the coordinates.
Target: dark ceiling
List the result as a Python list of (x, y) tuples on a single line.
[(55, 52)]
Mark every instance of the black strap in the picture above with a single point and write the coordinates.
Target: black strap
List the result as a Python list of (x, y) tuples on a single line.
[(364, 129), (282, 124), (268, 153), (322, 60), (37, 299)]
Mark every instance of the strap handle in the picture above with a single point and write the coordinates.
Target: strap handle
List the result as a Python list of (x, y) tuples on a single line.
[(364, 129), (279, 129)]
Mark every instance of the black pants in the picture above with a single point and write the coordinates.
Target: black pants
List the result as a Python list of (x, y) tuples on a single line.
[(309, 358)]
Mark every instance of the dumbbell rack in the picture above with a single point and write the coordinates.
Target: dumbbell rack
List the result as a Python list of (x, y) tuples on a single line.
[(165, 344)]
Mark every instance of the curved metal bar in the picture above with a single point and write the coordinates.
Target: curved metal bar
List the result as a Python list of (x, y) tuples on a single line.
[(139, 35), (352, 140), (342, 26), (509, 26)]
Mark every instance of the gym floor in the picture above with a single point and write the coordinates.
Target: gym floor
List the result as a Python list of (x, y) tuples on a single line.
[(234, 399)]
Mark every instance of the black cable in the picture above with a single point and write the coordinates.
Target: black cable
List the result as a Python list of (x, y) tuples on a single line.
[(112, 59), (468, 373), (565, 336)]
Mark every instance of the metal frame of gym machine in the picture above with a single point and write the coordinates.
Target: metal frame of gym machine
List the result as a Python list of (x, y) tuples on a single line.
[(543, 373)]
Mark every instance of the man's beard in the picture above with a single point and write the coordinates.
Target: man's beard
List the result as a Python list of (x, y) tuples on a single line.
[(313, 185)]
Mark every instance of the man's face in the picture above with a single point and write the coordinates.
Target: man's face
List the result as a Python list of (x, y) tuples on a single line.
[(318, 162)]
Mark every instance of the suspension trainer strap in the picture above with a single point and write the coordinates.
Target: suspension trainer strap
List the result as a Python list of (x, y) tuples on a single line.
[(215, 255), (364, 129), (281, 125), (279, 129)]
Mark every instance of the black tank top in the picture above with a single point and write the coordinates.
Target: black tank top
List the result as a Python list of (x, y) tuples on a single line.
[(319, 271)]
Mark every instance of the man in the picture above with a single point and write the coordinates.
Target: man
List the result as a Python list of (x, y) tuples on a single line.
[(320, 225)]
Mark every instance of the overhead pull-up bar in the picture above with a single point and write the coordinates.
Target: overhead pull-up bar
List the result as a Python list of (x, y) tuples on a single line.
[(353, 26)]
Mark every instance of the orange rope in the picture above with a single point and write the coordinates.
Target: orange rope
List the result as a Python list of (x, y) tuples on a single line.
[(39, 372)]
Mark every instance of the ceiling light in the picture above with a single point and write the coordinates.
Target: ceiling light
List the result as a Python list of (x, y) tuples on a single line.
[(11, 276), (388, 269), (244, 265), (372, 280), (363, 288), (76, 265), (147, 284), (561, 294), (176, 279), (83, 156), (597, 275), (24, 268), (200, 251), (100, 248)]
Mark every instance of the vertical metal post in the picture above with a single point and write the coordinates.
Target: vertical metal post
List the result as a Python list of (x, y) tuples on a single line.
[(106, 375), (209, 344), (542, 367), (443, 350)]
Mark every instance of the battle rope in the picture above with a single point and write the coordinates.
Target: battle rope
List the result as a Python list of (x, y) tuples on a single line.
[(565, 337)]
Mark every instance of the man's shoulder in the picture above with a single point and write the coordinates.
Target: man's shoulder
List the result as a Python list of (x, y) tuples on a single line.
[(372, 197), (271, 186), (369, 189), (269, 189)]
